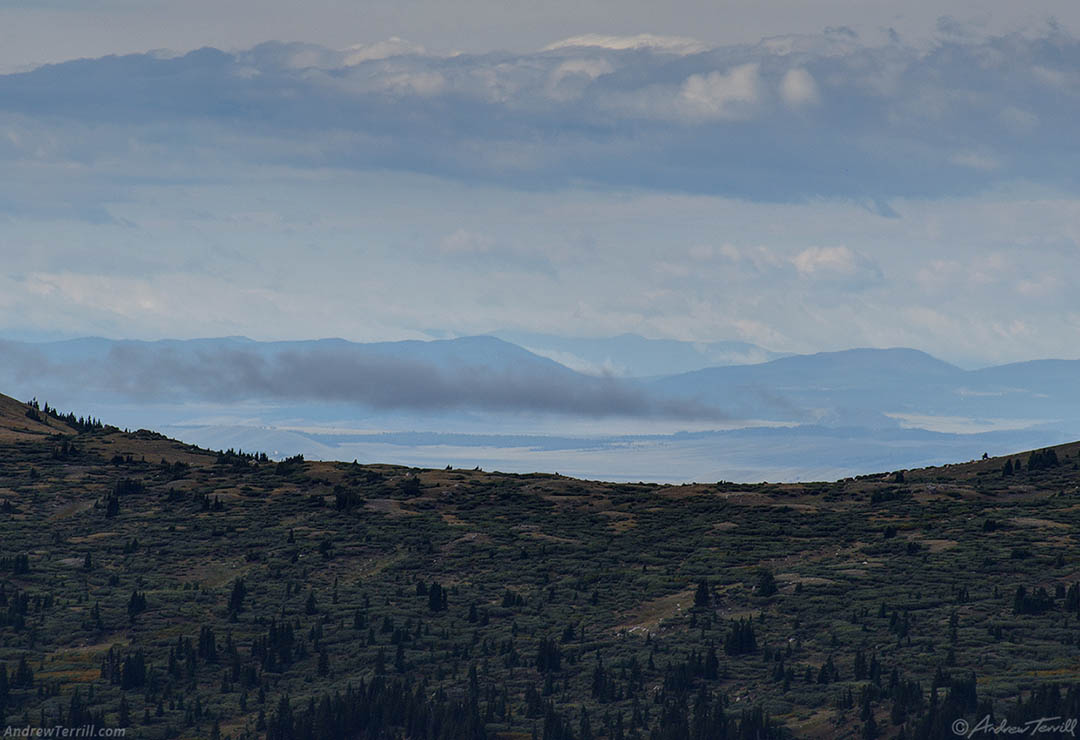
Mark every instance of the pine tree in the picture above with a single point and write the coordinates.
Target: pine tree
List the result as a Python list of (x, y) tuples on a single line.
[(236, 598), (136, 605), (766, 583), (584, 727), (701, 596), (712, 665), (124, 712), (24, 677), (436, 598)]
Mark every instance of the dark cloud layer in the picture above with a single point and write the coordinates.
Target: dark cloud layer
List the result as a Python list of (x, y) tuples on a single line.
[(438, 376), (782, 120)]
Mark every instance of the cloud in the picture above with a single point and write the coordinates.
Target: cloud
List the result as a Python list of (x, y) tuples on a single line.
[(1050, 76), (283, 187), (572, 77), (787, 119), (761, 266), (975, 161), (1045, 286), (358, 255), (1018, 120), (835, 262), (391, 47), (652, 42), (798, 88), (784, 120), (725, 95), (581, 365), (463, 242), (439, 376), (416, 83)]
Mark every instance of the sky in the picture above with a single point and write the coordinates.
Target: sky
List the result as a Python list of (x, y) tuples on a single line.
[(802, 176)]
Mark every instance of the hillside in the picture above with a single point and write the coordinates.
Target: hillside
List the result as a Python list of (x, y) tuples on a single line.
[(187, 593), (23, 422)]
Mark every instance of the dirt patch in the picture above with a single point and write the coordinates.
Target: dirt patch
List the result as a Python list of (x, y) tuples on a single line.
[(467, 538), (388, 506), (646, 617), (549, 537), (71, 675), (819, 724), (938, 545), (1027, 521), (806, 508), (71, 510), (87, 652), (749, 499), (92, 537), (793, 578), (621, 520)]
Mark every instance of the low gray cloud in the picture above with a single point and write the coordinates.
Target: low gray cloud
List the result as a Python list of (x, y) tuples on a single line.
[(785, 119), (426, 377)]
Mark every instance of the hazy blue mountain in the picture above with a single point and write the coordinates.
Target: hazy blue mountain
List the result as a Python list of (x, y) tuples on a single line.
[(489, 376), (635, 356), (486, 401), (848, 369), (470, 373), (1030, 375), (803, 387), (103, 361), (892, 381), (466, 351)]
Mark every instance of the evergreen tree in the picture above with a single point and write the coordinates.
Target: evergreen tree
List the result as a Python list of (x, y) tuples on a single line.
[(24, 677), (124, 712), (702, 596), (436, 598), (236, 598), (766, 583), (136, 605)]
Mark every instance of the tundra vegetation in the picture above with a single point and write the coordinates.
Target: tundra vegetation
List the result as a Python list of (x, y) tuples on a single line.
[(185, 593)]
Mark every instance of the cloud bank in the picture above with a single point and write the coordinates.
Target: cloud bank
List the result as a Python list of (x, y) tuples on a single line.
[(785, 119), (476, 374)]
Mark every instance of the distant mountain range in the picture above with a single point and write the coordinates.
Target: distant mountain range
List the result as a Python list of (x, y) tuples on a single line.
[(607, 413), (631, 355), (488, 374), (859, 382)]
